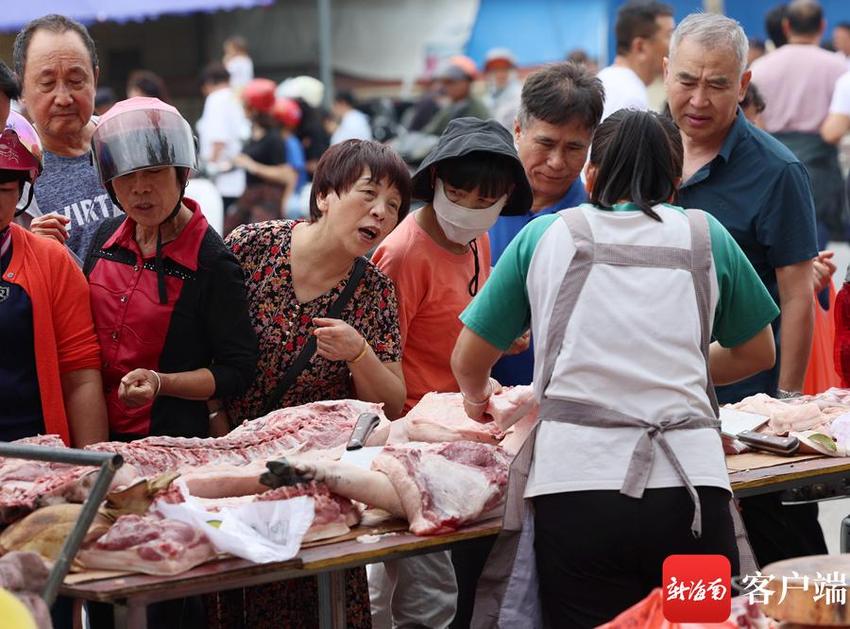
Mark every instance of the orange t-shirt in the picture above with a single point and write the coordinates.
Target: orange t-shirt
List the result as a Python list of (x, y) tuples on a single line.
[(432, 285)]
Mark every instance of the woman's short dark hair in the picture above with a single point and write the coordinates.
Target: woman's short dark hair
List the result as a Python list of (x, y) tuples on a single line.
[(342, 165), (638, 156), (491, 173)]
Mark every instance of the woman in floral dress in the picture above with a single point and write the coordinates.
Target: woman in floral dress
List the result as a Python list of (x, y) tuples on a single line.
[(294, 272)]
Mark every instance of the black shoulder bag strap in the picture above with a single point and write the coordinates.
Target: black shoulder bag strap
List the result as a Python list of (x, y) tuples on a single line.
[(306, 353)]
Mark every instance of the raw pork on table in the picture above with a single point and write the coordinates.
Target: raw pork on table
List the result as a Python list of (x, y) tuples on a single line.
[(148, 544), (315, 426), (440, 417), (443, 486)]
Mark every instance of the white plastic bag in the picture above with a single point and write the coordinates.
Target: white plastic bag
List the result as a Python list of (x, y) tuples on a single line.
[(261, 532)]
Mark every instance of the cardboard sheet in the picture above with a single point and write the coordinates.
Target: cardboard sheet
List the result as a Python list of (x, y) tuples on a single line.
[(758, 460)]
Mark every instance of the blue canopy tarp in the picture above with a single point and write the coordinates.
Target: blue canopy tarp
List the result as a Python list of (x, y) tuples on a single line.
[(16, 13)]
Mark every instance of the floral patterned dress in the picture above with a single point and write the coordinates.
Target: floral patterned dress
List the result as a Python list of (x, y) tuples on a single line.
[(283, 325)]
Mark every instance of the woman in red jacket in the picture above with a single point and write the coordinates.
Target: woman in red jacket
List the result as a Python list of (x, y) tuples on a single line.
[(50, 381)]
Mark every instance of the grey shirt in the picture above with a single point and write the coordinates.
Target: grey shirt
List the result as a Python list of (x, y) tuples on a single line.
[(70, 186)]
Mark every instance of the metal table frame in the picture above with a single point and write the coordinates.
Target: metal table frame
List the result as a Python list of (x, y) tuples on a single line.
[(108, 464)]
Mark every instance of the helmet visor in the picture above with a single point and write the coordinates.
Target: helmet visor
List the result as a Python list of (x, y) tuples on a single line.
[(144, 138)]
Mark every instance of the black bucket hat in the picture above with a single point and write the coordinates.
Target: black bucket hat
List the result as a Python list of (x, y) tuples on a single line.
[(467, 135)]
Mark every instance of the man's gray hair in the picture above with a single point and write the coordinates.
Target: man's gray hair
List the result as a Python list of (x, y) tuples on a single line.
[(713, 31)]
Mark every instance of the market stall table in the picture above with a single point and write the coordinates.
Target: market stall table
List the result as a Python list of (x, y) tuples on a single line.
[(801, 478), (815, 477), (132, 593)]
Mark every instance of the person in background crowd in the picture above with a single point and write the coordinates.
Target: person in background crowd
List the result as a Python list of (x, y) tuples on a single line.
[(50, 379), (263, 158), (438, 258), (456, 76), (221, 131), (837, 123), (504, 89), (841, 41), (581, 58), (315, 140), (773, 25), (352, 124), (146, 83), (761, 193), (104, 98), (417, 117), (288, 115), (797, 82), (327, 322), (237, 61), (560, 108), (643, 32), (591, 463), (757, 49), (57, 61), (753, 105)]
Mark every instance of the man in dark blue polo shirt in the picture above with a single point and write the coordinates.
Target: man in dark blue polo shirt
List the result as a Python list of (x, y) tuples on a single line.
[(560, 107), (761, 193)]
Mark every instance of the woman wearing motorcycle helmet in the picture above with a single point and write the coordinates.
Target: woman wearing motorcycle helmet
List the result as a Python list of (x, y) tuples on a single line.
[(167, 295), (262, 158), (50, 381)]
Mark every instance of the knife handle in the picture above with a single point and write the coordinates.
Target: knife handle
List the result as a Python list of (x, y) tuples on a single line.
[(770, 443), (366, 423)]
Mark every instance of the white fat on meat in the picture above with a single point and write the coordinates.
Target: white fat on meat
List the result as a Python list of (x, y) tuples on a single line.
[(512, 404), (444, 486), (440, 417), (784, 415), (149, 545)]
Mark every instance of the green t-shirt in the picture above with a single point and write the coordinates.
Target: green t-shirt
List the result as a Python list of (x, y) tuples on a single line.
[(501, 312)]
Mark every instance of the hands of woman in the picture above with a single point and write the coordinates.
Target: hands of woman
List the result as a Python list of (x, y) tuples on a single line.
[(336, 340), (476, 405), (51, 226), (139, 387)]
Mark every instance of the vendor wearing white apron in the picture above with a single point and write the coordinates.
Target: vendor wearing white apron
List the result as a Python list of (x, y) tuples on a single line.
[(623, 296)]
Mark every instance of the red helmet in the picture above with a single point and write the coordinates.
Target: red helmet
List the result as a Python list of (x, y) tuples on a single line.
[(20, 147), (287, 112), (258, 94)]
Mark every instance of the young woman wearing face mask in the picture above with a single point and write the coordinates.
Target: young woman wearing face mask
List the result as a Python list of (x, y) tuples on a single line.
[(438, 258)]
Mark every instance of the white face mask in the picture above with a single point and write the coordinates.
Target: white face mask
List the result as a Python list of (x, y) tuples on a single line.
[(460, 224)]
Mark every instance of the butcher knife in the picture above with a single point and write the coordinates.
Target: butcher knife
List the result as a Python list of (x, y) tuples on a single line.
[(355, 452), (734, 422)]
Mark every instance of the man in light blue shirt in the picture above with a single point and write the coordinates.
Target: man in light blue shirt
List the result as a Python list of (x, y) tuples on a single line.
[(560, 108)]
